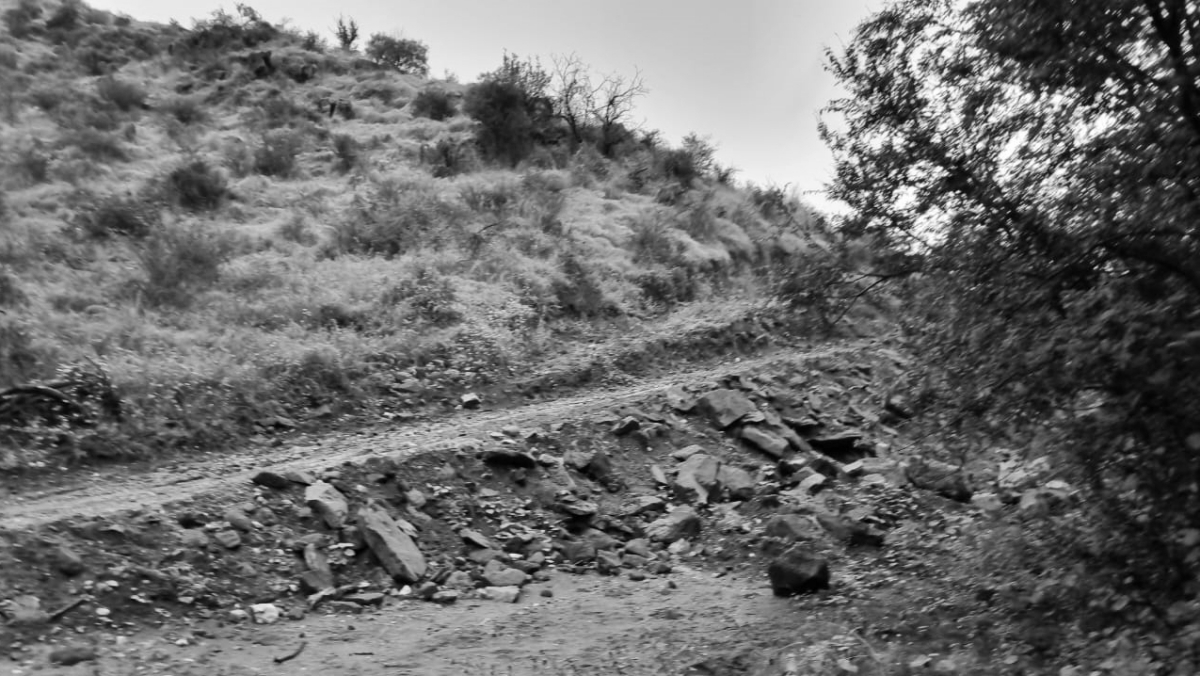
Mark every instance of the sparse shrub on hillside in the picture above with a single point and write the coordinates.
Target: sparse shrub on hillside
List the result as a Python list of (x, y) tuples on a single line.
[(237, 156), (185, 109), (496, 198), (448, 157), (21, 359), (20, 19), (679, 165), (196, 186), (434, 104), (222, 33), (123, 94), (588, 166), (276, 110), (346, 32), (96, 145), (406, 56), (32, 163), (505, 129), (178, 262), (313, 42), (430, 295), (578, 293), (124, 215), (48, 99), (9, 60), (396, 216), (296, 229), (345, 149), (11, 294), (63, 22), (277, 152), (651, 241), (667, 286)]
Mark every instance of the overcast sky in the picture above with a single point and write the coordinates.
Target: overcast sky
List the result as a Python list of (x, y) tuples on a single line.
[(746, 73)]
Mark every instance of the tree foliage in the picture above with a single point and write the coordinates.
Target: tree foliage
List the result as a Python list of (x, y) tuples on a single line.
[(1038, 163), (406, 56)]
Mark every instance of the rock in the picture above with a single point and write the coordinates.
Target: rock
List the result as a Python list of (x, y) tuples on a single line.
[(499, 575), (195, 539), (830, 468), (841, 447), (599, 539), (725, 407), (849, 531), (659, 476), (459, 579), (312, 582), (238, 519), (812, 483), (644, 504), (578, 551), (697, 476), (680, 400), (637, 575), (328, 503), (475, 539), (578, 507), (626, 425), (482, 556), (767, 442), (989, 503), (265, 613), (899, 405), (71, 655), (687, 452), (608, 563), (470, 401), (415, 498), (396, 551), (445, 597), (797, 572), (300, 477), (191, 520), (366, 598), (940, 477), (634, 561), (791, 527), (426, 589), (683, 521), (271, 480), (737, 483), (229, 539), (639, 547), (659, 568), (318, 564), (509, 457), (67, 561), (500, 594)]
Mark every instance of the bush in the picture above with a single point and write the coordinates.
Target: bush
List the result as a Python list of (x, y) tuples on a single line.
[(185, 109), (10, 292), (20, 360), (434, 104), (430, 295), (123, 94), (118, 215), (449, 158), (276, 155), (19, 20), (179, 262), (48, 99), (406, 56), (347, 33), (33, 164), (506, 130), (397, 217), (346, 150), (97, 145), (196, 186), (313, 42)]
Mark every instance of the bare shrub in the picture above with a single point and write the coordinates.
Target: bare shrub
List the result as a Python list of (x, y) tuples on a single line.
[(346, 149), (123, 94), (96, 145), (196, 186), (123, 215), (276, 154), (179, 262), (185, 109)]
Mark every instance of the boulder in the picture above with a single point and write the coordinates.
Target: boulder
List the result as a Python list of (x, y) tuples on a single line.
[(791, 527), (797, 572), (396, 551), (500, 594), (696, 478), (328, 503), (608, 563), (272, 480), (578, 551), (725, 407), (768, 442), (681, 522), (639, 547), (499, 575), (737, 483), (509, 457)]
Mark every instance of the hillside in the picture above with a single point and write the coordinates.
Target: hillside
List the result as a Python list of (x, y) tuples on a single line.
[(235, 223)]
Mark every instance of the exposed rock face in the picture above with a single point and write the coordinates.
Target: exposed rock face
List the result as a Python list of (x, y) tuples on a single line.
[(798, 572), (681, 522), (328, 503), (725, 407), (396, 551)]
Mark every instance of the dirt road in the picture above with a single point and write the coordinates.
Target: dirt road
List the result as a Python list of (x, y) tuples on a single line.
[(117, 489)]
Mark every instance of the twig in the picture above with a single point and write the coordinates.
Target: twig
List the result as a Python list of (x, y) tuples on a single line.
[(292, 655), (58, 614)]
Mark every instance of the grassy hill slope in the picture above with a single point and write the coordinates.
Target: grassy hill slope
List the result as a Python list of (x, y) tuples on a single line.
[(236, 223)]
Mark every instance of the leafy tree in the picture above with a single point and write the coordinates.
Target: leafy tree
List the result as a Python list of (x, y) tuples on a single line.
[(1038, 162), (346, 32), (406, 56), (505, 128)]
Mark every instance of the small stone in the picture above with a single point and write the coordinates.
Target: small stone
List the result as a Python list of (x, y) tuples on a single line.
[(238, 519), (229, 539), (366, 598), (500, 594), (445, 597), (797, 572), (637, 575), (680, 522), (687, 452), (71, 655), (547, 593), (578, 551), (791, 527), (470, 401), (415, 498), (626, 425), (265, 613), (68, 562), (475, 539), (767, 442), (638, 547), (608, 563), (725, 407), (499, 575), (272, 480)]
